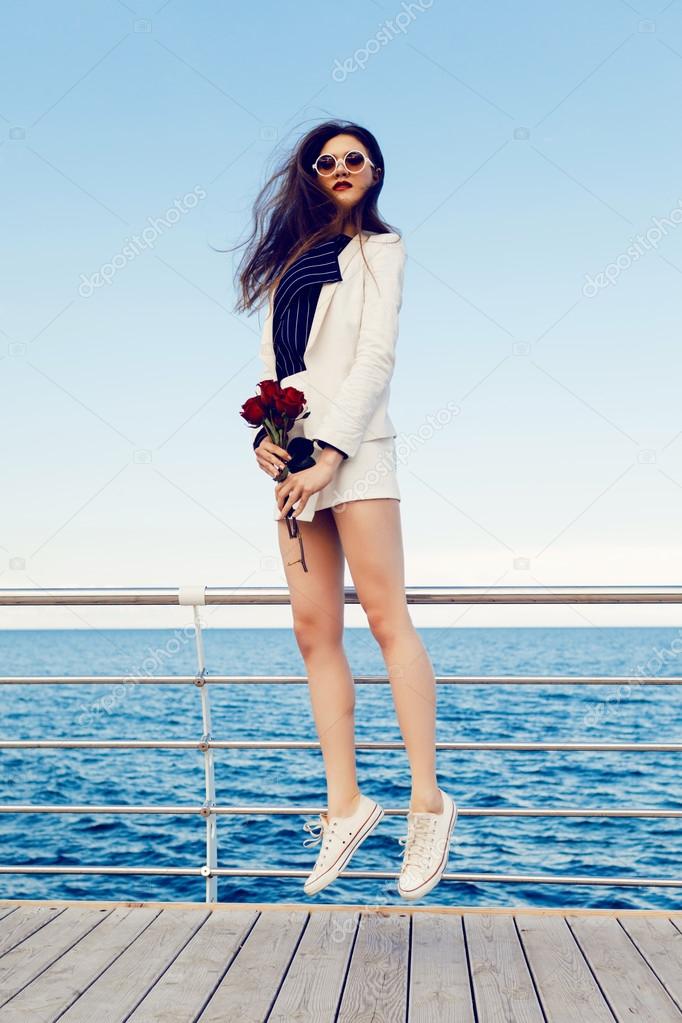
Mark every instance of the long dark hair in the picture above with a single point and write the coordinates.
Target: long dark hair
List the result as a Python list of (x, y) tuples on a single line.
[(292, 212)]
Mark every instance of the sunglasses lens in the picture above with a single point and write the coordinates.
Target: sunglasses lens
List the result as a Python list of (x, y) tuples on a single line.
[(355, 161), (326, 164)]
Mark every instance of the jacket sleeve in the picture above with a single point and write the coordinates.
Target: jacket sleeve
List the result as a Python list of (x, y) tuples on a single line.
[(259, 437), (323, 444), (356, 399)]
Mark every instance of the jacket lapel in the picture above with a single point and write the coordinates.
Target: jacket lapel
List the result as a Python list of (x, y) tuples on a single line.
[(327, 290), (326, 293)]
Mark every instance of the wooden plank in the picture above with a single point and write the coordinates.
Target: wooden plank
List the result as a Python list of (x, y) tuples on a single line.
[(287, 907), (55, 990), (5, 910), (440, 991), (16, 927), (312, 988), (566, 988), (503, 988), (26, 960), (660, 943), (629, 985), (248, 989), (190, 980), (120, 989), (376, 988)]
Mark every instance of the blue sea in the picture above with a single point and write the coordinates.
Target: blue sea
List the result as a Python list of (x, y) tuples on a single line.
[(578, 846)]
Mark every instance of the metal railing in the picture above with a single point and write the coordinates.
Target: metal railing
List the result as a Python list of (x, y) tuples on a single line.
[(198, 596)]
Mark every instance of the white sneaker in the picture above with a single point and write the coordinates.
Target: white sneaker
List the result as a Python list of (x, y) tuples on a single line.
[(427, 846), (340, 837)]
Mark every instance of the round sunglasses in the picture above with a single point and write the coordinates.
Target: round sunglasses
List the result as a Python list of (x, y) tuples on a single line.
[(354, 161)]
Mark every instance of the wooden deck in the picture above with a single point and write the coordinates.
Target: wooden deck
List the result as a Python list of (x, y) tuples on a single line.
[(106, 962)]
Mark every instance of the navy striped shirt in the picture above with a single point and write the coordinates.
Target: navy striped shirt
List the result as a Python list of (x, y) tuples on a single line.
[(295, 303)]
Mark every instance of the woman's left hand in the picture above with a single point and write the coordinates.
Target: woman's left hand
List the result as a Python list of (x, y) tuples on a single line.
[(298, 487)]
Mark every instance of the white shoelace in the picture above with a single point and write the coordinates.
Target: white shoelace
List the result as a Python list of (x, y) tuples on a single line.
[(418, 841), (320, 834)]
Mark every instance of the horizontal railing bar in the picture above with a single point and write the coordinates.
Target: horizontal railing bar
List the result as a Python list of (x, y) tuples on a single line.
[(259, 595), (73, 869), (82, 808), (239, 680), (616, 882), (254, 744)]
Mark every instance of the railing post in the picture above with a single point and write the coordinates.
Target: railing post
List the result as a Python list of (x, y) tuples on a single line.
[(196, 597)]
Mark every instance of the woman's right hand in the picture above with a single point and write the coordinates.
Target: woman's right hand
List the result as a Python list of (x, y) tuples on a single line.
[(271, 457)]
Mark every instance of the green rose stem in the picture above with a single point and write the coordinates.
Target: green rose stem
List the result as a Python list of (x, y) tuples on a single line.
[(277, 437)]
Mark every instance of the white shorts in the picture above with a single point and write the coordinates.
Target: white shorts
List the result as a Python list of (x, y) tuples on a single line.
[(371, 472)]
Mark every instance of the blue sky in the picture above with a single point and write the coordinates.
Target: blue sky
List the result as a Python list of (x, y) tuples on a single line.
[(532, 166)]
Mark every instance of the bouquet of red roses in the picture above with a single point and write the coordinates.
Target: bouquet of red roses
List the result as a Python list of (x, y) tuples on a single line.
[(275, 409)]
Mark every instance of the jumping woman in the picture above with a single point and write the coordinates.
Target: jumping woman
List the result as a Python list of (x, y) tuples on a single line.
[(332, 272)]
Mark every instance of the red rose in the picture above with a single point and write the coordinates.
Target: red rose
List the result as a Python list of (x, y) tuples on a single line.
[(269, 389), (253, 411), (277, 407), (290, 402)]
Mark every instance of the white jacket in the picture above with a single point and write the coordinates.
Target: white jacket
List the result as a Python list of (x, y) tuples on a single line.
[(350, 352)]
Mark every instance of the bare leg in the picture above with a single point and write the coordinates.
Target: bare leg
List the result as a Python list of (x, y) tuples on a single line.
[(371, 537), (317, 603)]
